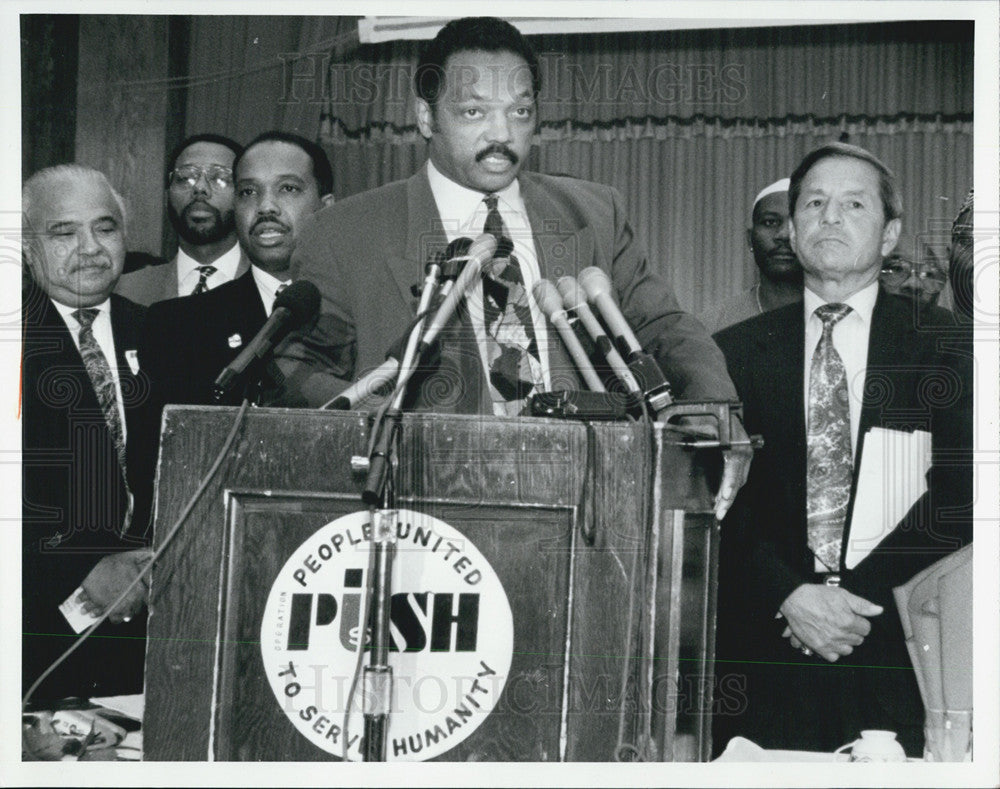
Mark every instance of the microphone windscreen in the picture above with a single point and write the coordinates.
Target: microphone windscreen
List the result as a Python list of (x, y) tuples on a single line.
[(301, 299), (458, 248), (572, 293), (547, 297), (594, 281)]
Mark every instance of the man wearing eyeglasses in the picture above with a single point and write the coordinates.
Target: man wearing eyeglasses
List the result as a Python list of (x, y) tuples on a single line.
[(200, 203), (918, 275), (281, 179)]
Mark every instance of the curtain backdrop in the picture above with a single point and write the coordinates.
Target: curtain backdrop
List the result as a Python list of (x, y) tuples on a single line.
[(250, 74), (688, 125)]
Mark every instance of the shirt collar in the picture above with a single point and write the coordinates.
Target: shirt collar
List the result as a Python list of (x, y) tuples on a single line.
[(67, 312), (267, 284), (458, 205), (861, 303), (226, 263)]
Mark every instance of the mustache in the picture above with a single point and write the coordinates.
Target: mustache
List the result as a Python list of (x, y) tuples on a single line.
[(268, 220), (497, 148), (89, 261), (781, 250), (200, 205)]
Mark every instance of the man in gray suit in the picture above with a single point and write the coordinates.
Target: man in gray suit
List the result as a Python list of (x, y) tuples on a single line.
[(477, 85), (200, 195)]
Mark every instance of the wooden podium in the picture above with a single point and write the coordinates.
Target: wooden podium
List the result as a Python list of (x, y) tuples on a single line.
[(600, 534)]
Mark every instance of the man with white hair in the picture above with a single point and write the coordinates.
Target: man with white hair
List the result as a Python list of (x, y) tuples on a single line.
[(88, 451), (780, 273)]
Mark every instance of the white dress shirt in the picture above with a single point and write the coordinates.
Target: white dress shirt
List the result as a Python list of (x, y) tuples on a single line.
[(188, 274), (105, 339), (463, 213), (267, 285)]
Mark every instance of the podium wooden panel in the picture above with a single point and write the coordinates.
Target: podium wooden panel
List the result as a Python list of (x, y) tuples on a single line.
[(598, 534)]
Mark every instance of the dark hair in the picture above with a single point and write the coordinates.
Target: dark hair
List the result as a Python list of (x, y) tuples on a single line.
[(892, 203), (322, 171), (187, 142), (485, 33)]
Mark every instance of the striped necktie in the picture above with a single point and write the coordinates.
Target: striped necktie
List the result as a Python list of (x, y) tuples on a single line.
[(205, 272)]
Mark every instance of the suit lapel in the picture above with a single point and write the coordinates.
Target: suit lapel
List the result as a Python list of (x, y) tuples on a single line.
[(562, 247), (425, 237), (785, 381), (168, 285), (135, 388), (893, 353), (252, 312), (59, 350), (780, 386)]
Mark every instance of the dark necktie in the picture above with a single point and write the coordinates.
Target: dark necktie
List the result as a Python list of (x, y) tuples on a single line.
[(103, 382), (511, 350), (205, 272), (829, 464)]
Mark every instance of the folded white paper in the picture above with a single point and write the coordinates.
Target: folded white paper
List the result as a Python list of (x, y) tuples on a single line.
[(893, 475), (72, 609)]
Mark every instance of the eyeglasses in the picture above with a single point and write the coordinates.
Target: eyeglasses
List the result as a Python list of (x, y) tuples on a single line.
[(216, 176), (896, 271), (962, 235)]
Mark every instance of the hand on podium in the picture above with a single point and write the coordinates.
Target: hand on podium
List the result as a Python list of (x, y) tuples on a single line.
[(735, 460), (735, 468)]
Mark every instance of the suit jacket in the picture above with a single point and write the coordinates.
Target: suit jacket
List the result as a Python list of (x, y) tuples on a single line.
[(189, 340), (364, 253), (917, 378), (74, 497), (151, 284)]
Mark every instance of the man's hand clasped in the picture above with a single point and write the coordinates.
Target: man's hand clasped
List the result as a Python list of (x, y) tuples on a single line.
[(827, 620)]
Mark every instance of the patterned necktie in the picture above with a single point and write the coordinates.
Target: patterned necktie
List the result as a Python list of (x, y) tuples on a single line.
[(829, 464), (202, 286), (511, 350), (107, 395)]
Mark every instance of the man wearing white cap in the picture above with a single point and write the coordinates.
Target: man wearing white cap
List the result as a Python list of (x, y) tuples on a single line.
[(780, 273)]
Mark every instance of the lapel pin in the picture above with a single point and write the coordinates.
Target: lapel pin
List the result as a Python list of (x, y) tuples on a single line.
[(132, 357), (235, 341)]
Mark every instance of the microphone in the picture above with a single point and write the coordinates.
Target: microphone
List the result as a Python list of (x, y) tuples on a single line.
[(575, 299), (480, 253), (550, 302), (295, 306), (456, 254), (448, 262), (654, 385), (597, 285), (384, 374)]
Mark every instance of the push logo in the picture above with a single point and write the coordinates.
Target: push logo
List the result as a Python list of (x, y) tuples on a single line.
[(450, 629), (417, 620)]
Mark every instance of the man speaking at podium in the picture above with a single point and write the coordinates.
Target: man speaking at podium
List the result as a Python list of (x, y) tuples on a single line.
[(477, 84)]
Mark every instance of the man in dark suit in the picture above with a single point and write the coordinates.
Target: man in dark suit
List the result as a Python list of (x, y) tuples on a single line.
[(280, 179), (199, 195), (477, 85), (87, 447), (810, 645)]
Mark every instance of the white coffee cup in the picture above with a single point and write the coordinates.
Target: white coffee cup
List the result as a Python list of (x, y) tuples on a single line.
[(875, 745)]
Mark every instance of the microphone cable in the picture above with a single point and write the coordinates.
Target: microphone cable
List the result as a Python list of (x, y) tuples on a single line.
[(202, 487)]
